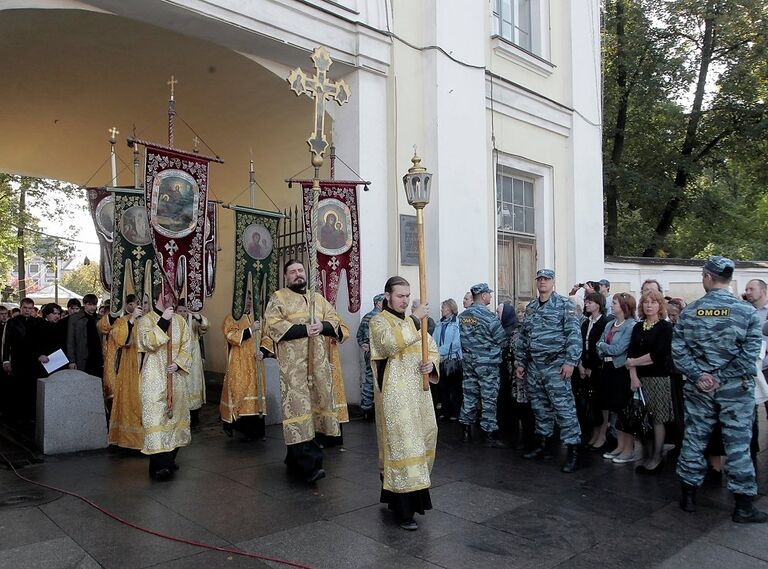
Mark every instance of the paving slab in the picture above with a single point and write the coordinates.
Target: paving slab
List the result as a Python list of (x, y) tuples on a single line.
[(61, 553)]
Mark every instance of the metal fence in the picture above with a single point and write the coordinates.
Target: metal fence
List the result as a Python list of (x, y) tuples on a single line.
[(291, 241)]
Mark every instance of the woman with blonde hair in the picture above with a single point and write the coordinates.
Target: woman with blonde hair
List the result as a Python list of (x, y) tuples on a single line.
[(648, 363)]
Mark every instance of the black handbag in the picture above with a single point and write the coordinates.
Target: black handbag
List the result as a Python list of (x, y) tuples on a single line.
[(636, 418), (452, 365)]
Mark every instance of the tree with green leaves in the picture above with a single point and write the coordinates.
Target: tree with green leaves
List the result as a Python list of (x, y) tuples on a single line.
[(684, 108), (85, 279)]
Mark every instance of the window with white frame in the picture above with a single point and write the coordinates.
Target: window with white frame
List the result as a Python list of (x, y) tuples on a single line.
[(34, 268), (514, 22), (514, 202)]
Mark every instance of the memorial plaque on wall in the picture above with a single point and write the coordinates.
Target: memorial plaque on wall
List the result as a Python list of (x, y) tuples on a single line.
[(409, 250)]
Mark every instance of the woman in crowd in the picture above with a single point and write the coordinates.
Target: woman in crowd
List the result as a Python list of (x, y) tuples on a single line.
[(504, 406), (615, 388), (648, 363), (589, 370), (446, 335), (523, 421)]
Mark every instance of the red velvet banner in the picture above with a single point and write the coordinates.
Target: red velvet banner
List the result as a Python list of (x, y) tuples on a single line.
[(338, 237), (177, 201), (102, 206)]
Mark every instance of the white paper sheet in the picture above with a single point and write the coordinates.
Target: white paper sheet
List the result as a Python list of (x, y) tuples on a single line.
[(56, 360)]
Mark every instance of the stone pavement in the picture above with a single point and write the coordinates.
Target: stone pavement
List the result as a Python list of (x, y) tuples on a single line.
[(492, 509)]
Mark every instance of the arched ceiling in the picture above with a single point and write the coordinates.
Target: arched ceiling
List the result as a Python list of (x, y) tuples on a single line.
[(69, 75)]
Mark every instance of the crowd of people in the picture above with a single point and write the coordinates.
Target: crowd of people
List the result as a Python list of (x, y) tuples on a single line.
[(628, 379), (634, 380)]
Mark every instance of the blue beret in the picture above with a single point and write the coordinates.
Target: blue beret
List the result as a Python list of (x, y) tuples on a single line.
[(545, 274), (480, 288), (721, 266)]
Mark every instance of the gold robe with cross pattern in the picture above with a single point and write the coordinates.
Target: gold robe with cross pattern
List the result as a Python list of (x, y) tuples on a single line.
[(406, 429), (308, 404), (339, 394), (163, 433), (196, 375), (109, 353), (125, 429), (244, 392)]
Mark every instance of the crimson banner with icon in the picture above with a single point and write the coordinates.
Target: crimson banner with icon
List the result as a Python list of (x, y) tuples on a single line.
[(338, 238)]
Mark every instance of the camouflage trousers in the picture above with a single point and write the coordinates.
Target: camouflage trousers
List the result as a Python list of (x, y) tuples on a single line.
[(733, 405), (552, 399), (481, 382), (366, 382)]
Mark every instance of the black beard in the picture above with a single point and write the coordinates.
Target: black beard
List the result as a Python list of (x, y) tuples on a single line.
[(300, 288)]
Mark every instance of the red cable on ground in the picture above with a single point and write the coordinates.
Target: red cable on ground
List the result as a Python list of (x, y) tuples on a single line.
[(153, 532)]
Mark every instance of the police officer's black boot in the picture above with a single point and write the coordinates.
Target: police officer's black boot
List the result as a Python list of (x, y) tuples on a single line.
[(746, 513), (688, 497), (572, 460), (493, 441), (466, 433), (542, 450)]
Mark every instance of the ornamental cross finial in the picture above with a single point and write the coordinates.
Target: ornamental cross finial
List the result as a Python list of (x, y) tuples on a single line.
[(113, 132), (195, 143), (172, 83), (319, 88)]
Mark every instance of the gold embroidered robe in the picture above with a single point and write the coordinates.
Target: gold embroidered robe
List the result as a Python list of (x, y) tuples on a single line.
[(244, 391), (339, 394), (161, 433), (125, 429), (196, 376), (109, 351), (406, 429), (308, 406)]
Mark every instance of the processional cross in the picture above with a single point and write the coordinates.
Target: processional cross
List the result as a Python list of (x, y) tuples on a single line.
[(319, 88)]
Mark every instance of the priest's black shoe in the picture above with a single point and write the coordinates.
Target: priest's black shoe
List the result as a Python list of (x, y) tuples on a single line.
[(688, 498), (409, 524), (162, 475), (571, 463), (318, 474), (745, 511), (541, 450), (493, 441), (466, 433)]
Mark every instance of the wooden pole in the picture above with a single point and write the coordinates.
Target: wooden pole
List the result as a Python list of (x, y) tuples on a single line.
[(422, 291)]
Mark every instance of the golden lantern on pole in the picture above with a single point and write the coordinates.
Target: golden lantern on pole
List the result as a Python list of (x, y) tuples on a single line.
[(417, 184)]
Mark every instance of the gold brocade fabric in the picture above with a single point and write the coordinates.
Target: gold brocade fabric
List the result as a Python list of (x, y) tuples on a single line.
[(308, 403), (108, 350), (196, 376), (125, 429), (244, 390), (406, 429), (339, 395), (161, 433)]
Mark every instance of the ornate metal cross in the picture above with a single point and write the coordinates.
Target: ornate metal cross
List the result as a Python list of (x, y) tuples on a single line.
[(113, 132), (320, 88), (172, 83)]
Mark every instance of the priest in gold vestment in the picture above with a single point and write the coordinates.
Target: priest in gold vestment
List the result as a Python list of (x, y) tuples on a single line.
[(406, 429), (198, 326), (243, 404), (109, 352), (164, 412), (308, 402), (125, 428)]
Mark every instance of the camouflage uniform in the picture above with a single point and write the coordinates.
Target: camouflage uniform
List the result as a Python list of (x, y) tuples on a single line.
[(482, 338), (718, 334), (363, 337), (549, 338)]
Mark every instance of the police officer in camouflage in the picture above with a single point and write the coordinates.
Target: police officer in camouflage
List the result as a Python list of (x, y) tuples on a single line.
[(482, 338), (363, 340), (548, 349), (715, 345)]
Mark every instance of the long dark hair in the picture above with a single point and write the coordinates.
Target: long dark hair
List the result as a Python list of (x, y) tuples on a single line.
[(390, 285)]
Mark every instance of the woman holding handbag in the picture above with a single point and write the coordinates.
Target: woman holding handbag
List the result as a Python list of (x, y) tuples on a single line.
[(614, 379), (648, 363), (446, 335)]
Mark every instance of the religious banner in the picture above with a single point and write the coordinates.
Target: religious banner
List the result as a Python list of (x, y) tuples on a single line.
[(338, 237), (101, 205), (133, 256), (177, 201), (211, 247), (255, 258)]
